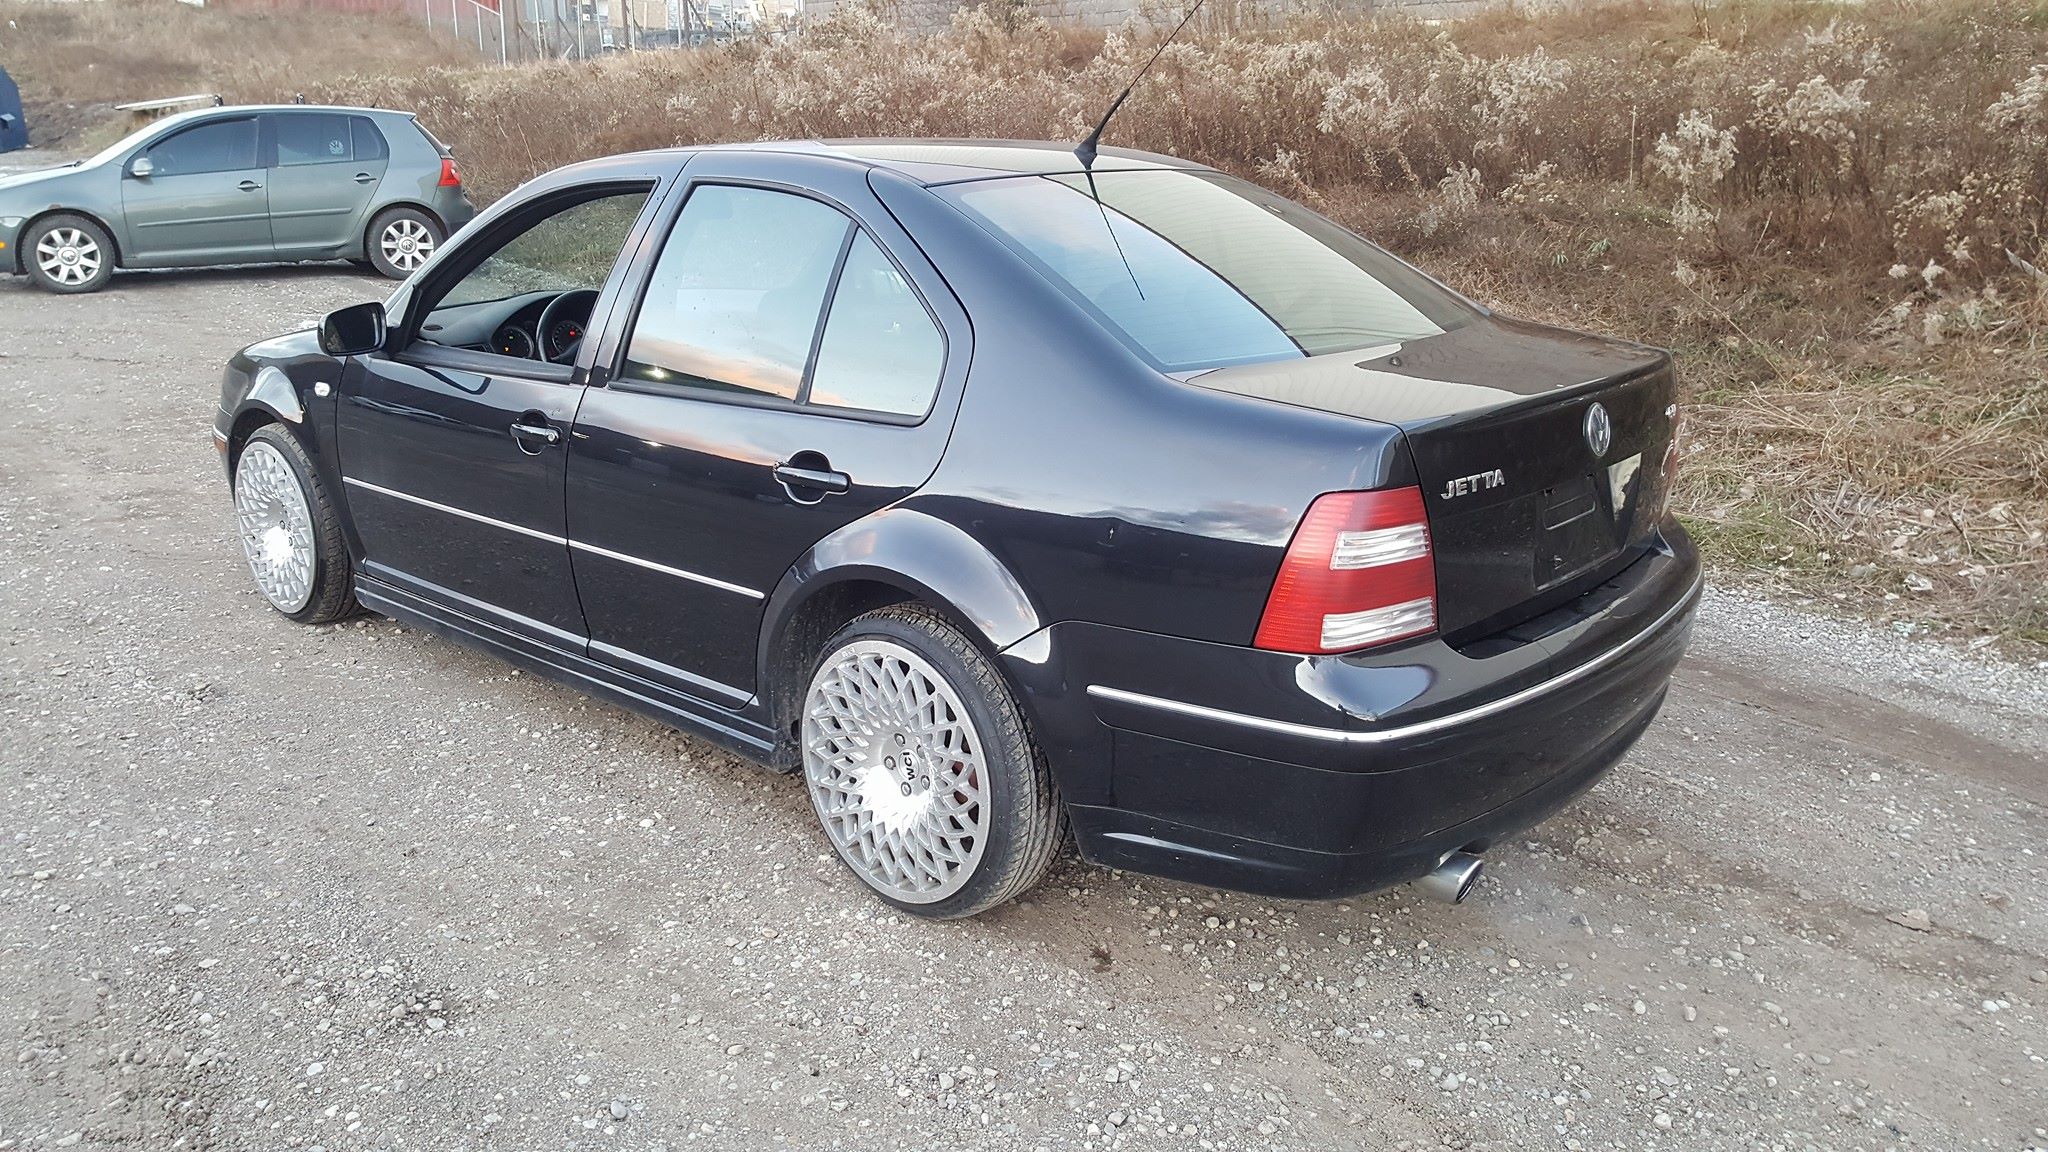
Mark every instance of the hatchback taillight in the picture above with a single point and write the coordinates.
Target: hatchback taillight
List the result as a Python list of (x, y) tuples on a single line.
[(1358, 573), (451, 176)]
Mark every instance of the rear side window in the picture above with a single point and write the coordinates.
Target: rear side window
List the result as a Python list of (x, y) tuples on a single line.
[(215, 146), (369, 142), (777, 296), (734, 301), (1198, 270), (313, 138)]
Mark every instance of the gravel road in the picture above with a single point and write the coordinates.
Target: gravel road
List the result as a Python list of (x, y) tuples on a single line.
[(354, 887)]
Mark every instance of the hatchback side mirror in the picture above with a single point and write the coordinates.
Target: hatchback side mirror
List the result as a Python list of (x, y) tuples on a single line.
[(353, 330), (143, 168)]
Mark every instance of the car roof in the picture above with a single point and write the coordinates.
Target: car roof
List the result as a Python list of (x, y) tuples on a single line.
[(244, 109), (933, 162)]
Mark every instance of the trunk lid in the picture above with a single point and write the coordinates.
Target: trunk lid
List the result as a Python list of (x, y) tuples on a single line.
[(1524, 513)]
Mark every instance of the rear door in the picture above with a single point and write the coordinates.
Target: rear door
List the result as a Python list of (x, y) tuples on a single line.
[(206, 201), (323, 170), (790, 365)]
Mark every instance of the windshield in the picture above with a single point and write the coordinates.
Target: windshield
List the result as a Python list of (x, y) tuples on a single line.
[(1198, 270)]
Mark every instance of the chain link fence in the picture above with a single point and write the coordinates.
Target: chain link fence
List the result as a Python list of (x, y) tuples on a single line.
[(513, 30)]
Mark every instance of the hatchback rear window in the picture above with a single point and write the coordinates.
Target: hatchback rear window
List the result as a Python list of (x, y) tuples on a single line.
[(1201, 270)]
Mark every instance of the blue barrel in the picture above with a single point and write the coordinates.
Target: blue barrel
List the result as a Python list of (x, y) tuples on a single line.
[(13, 125)]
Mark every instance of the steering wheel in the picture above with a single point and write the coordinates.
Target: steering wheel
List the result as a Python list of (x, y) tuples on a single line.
[(560, 347)]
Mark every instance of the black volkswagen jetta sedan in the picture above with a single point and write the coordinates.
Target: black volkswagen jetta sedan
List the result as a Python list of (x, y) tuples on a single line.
[(999, 495)]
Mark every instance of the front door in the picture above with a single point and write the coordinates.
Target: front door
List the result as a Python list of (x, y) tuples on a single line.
[(205, 199), (324, 171), (782, 375), (452, 447)]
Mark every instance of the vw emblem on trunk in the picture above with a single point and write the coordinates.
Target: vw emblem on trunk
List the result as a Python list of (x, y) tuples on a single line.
[(1599, 429)]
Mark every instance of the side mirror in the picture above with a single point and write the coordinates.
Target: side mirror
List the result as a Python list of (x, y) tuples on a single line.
[(142, 168), (353, 330)]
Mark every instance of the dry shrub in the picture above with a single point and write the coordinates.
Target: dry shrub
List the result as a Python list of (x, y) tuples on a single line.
[(73, 62), (1834, 212)]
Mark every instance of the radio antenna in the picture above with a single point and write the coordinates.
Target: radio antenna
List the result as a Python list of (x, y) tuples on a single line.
[(1087, 148)]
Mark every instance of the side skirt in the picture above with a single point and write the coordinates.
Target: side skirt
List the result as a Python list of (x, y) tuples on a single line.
[(728, 730)]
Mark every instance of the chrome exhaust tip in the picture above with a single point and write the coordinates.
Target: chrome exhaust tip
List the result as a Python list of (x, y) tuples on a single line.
[(1452, 878)]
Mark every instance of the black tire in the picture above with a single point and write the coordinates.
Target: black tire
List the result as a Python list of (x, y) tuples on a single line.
[(400, 218), (1026, 822), (99, 250), (332, 596)]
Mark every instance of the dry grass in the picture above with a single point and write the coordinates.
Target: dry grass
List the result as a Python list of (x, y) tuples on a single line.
[(73, 62), (1833, 212)]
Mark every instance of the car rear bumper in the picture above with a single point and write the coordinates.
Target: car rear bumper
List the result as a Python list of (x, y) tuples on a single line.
[(1325, 776)]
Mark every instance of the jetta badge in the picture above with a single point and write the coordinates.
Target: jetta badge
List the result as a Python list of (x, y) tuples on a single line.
[(1599, 429), (1477, 482)]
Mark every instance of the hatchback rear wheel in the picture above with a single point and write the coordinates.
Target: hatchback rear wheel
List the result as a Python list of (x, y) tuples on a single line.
[(922, 770), (68, 253), (401, 240)]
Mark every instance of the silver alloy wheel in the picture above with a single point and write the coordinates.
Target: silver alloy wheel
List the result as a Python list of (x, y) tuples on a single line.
[(406, 243), (69, 255), (895, 771), (276, 527)]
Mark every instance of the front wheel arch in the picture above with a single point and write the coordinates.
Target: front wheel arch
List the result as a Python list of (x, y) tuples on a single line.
[(21, 250)]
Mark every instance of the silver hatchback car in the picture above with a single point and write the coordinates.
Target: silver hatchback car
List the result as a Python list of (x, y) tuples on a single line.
[(239, 185)]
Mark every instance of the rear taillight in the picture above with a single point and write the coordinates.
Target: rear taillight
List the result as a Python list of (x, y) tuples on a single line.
[(1358, 573), (451, 176)]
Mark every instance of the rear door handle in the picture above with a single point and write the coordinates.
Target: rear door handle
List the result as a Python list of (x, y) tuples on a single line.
[(815, 479), (364, 177), (542, 432), (248, 186)]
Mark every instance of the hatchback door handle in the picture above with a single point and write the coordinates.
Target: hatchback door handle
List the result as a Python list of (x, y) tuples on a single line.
[(542, 432), (815, 479), (364, 177), (248, 186)]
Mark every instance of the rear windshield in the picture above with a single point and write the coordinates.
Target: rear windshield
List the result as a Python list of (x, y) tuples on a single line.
[(1200, 270)]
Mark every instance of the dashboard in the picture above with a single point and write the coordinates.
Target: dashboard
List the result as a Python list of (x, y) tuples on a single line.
[(546, 326)]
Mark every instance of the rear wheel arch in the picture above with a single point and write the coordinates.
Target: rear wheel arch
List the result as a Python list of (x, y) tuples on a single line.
[(378, 210), (898, 556)]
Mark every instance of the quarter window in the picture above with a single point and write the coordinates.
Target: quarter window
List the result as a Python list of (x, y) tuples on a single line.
[(215, 146), (368, 141), (313, 138), (881, 352), (738, 294)]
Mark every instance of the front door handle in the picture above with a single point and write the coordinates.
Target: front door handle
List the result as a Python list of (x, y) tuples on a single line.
[(248, 186), (364, 177), (794, 475), (545, 433)]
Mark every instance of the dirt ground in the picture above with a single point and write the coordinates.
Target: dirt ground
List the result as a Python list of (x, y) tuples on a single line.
[(354, 887)]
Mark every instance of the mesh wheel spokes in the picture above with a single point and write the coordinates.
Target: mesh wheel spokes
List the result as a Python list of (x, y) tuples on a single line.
[(895, 771), (69, 255), (407, 244), (276, 527)]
